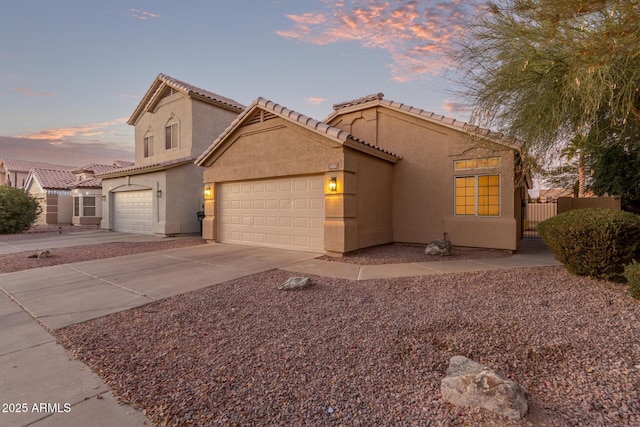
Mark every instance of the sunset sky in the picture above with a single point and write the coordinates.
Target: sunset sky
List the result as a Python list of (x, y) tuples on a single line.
[(72, 71)]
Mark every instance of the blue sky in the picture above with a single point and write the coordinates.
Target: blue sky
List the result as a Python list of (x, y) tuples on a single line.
[(72, 71)]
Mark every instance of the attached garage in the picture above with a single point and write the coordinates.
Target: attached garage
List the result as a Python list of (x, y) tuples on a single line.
[(283, 213), (133, 212)]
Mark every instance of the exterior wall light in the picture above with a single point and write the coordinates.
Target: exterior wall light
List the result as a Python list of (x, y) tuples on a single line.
[(104, 198), (208, 192), (159, 193), (333, 184)]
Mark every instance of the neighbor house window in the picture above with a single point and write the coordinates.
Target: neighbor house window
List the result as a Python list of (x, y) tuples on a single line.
[(88, 206), (76, 206), (489, 162), (148, 146), (171, 136), (477, 195)]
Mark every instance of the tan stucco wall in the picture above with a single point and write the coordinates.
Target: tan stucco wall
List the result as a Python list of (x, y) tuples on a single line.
[(199, 124), (175, 211), (570, 203), (423, 181), (358, 214)]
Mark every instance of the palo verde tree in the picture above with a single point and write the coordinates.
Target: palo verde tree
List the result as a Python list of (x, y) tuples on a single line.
[(544, 71), (18, 210)]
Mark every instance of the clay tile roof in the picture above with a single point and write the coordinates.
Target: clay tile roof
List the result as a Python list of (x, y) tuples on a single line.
[(53, 179), (87, 183), (27, 165), (368, 98), (191, 89), (317, 126), (378, 99), (137, 170)]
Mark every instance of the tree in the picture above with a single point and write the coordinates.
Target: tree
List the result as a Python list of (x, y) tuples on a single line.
[(544, 70), (18, 210)]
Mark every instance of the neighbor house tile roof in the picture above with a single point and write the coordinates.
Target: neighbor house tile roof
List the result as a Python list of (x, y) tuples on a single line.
[(160, 85), (312, 124), (137, 170), (27, 165), (53, 179), (378, 99)]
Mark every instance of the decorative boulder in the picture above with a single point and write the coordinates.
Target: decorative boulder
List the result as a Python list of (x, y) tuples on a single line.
[(438, 247), (293, 283), (468, 383), (44, 254)]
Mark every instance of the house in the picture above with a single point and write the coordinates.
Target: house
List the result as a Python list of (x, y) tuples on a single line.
[(373, 172), (68, 196), (14, 173), (161, 193)]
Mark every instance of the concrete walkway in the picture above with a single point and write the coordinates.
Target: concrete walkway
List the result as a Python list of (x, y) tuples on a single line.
[(51, 388)]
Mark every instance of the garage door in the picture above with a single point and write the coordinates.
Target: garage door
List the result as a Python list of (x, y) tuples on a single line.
[(283, 213), (133, 212)]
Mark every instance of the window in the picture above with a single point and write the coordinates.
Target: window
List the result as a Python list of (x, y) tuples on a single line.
[(148, 146), (477, 195), (88, 206), (171, 136), (76, 206), (489, 162)]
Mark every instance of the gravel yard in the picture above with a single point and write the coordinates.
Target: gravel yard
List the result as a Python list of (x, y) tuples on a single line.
[(372, 353)]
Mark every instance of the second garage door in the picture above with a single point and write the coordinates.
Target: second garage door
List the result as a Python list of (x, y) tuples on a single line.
[(284, 213), (133, 212)]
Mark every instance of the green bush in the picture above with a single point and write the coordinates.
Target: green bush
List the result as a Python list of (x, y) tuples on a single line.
[(593, 242), (632, 273), (18, 210)]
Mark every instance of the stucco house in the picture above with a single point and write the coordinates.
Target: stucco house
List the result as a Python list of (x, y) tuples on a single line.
[(14, 172), (373, 172), (69, 196), (161, 193)]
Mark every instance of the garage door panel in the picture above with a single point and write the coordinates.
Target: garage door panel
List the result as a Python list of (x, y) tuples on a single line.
[(132, 212), (283, 212)]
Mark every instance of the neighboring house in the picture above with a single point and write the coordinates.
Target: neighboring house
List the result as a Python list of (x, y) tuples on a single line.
[(374, 172), (69, 196), (161, 194), (14, 173)]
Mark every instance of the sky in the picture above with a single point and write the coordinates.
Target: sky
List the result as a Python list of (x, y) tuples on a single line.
[(73, 71)]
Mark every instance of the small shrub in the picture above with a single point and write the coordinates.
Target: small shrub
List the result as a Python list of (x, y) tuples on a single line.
[(593, 242), (18, 210), (632, 273)]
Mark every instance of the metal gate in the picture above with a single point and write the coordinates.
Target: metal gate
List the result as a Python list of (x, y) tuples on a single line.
[(535, 213)]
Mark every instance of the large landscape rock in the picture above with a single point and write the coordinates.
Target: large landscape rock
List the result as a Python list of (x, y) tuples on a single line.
[(469, 383), (438, 247), (294, 283)]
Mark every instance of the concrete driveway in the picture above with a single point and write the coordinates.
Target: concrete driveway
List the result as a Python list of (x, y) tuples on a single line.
[(35, 370)]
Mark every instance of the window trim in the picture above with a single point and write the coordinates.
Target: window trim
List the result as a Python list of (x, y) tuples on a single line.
[(84, 206), (147, 146), (476, 196), (171, 130), (477, 163)]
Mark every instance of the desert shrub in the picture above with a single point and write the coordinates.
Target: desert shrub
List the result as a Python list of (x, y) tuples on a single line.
[(18, 210), (632, 273), (593, 242)]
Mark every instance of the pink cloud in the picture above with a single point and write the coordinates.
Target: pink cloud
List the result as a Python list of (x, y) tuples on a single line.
[(314, 100), (32, 92), (456, 108), (142, 15), (417, 34), (61, 134)]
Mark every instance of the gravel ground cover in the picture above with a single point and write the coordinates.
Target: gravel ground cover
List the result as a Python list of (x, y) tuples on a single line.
[(372, 353), (20, 261), (399, 253)]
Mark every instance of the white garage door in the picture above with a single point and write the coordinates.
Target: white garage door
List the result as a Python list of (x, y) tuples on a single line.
[(283, 213), (133, 212)]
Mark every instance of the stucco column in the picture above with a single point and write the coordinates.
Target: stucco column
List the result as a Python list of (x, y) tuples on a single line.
[(209, 223), (340, 225)]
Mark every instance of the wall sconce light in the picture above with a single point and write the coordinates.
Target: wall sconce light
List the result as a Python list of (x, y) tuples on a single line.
[(333, 184), (159, 193), (208, 192), (104, 198)]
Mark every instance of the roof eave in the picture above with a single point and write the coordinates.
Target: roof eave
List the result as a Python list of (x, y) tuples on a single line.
[(131, 172)]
